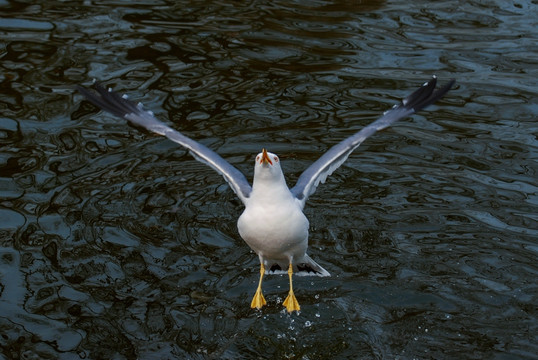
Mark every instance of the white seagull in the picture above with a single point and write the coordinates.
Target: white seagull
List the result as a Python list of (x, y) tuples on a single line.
[(273, 223)]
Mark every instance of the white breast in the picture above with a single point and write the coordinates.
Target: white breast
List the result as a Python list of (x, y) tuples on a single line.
[(274, 226)]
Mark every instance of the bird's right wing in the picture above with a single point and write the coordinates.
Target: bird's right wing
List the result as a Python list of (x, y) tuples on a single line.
[(335, 156), (121, 107)]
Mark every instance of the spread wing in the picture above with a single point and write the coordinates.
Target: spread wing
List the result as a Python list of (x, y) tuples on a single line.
[(332, 159), (121, 107)]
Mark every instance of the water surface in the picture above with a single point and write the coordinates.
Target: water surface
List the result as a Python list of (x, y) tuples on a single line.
[(116, 244)]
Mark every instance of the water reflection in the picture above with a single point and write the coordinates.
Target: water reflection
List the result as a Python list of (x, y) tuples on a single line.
[(115, 243)]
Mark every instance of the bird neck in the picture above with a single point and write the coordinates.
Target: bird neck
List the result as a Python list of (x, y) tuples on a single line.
[(269, 186)]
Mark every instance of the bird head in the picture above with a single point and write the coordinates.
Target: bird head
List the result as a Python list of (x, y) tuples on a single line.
[(267, 166)]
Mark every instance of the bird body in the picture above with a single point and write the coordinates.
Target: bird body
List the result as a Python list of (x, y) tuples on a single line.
[(276, 230), (272, 223)]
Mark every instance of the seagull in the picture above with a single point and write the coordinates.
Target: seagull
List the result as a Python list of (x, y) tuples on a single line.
[(273, 223)]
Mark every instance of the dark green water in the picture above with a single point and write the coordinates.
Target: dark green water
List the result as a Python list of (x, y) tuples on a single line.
[(116, 244)]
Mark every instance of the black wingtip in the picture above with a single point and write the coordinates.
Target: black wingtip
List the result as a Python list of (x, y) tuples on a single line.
[(426, 95), (108, 100)]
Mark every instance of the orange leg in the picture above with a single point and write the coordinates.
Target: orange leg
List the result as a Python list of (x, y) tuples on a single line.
[(258, 300), (291, 302)]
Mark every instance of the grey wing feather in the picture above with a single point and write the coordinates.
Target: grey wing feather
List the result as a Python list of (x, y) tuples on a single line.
[(121, 107), (330, 161)]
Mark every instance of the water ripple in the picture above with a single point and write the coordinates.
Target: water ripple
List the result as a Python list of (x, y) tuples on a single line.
[(116, 243)]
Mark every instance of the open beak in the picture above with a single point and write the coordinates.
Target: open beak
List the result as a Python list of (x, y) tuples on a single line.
[(265, 158)]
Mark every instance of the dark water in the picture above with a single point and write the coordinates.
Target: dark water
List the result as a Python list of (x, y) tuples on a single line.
[(116, 244)]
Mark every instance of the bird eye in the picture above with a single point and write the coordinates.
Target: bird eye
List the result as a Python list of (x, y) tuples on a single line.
[(258, 158), (276, 158)]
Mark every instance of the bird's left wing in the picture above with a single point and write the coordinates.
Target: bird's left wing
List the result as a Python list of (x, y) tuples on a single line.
[(121, 107), (335, 156)]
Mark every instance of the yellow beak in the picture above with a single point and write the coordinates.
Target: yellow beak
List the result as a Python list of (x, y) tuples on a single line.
[(265, 158)]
